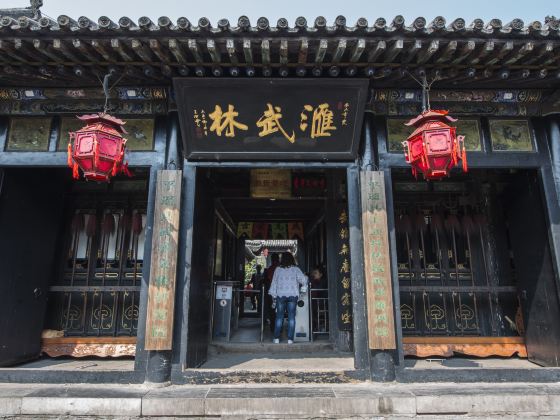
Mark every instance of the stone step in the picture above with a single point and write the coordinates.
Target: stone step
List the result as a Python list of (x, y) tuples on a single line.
[(383, 401), (270, 348)]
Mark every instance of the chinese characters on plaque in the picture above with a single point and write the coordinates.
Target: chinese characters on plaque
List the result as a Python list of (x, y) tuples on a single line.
[(344, 294), (163, 270), (381, 329), (270, 119), (315, 121)]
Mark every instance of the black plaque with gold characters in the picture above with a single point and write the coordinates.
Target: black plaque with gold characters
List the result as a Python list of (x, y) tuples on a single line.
[(272, 119)]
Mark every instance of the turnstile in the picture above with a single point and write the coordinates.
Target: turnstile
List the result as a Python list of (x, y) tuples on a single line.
[(223, 304), (302, 317)]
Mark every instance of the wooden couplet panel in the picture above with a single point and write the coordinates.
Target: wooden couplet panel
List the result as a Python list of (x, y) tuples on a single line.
[(379, 293), (163, 269)]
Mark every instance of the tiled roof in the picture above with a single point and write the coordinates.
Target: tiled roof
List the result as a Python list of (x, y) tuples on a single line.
[(79, 51)]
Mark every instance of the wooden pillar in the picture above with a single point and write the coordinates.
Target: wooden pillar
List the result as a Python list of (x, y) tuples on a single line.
[(184, 262), (554, 145), (361, 352)]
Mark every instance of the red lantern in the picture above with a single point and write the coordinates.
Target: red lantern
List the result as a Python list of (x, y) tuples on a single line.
[(98, 148), (434, 148)]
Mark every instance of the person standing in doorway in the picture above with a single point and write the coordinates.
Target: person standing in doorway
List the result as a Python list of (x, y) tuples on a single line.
[(284, 289), (257, 281), (268, 275)]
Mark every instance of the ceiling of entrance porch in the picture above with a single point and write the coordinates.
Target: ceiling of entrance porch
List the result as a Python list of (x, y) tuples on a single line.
[(78, 52), (267, 210)]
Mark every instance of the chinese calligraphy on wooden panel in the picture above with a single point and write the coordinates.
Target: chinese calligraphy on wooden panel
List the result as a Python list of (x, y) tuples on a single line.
[(344, 294), (163, 270), (381, 328), (275, 118)]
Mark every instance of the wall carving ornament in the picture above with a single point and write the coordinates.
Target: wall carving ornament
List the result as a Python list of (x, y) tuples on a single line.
[(506, 103)]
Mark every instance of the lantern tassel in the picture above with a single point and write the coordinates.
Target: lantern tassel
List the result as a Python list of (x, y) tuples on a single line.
[(70, 162), (115, 168), (75, 171), (126, 171), (464, 157)]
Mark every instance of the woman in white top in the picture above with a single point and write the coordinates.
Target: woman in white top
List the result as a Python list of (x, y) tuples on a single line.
[(284, 289)]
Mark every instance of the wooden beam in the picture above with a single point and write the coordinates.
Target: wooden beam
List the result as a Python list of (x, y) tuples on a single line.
[(302, 54), (425, 55), (444, 55), (27, 50), (195, 51), (520, 53), (214, 51), (120, 49), (265, 52), (157, 49), (6, 50), (141, 50), (284, 52), (60, 46), (487, 48), (230, 47), (543, 52), (177, 50), (247, 51), (101, 50), (411, 52), (505, 50), (357, 51), (467, 50), (375, 52), (394, 51), (321, 51), (339, 52), (43, 48), (83, 48)]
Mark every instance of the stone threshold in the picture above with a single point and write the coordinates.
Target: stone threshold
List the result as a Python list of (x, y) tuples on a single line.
[(444, 400)]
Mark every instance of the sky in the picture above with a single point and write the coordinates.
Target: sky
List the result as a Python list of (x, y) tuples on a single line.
[(506, 10)]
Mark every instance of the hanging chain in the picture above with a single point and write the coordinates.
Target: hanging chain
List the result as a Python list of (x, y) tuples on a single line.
[(426, 87)]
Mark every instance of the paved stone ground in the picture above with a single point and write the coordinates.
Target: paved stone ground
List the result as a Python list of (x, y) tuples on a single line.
[(361, 401)]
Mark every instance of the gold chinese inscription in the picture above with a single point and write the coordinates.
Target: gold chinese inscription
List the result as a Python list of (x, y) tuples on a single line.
[(344, 288), (321, 120), (270, 123), (225, 121), (381, 329), (161, 291), (315, 121)]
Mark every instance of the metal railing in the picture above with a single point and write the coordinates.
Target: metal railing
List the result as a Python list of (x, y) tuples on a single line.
[(319, 312)]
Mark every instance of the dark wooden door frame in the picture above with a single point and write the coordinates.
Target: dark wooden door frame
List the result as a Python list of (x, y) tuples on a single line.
[(179, 356)]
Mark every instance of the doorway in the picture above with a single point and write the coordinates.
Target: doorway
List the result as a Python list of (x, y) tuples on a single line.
[(254, 215)]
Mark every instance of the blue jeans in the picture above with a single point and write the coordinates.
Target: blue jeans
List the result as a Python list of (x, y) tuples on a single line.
[(281, 303)]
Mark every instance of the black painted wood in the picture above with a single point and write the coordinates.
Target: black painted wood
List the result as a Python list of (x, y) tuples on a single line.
[(201, 274), (534, 270), (141, 359), (31, 212), (184, 264), (361, 351), (398, 355)]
